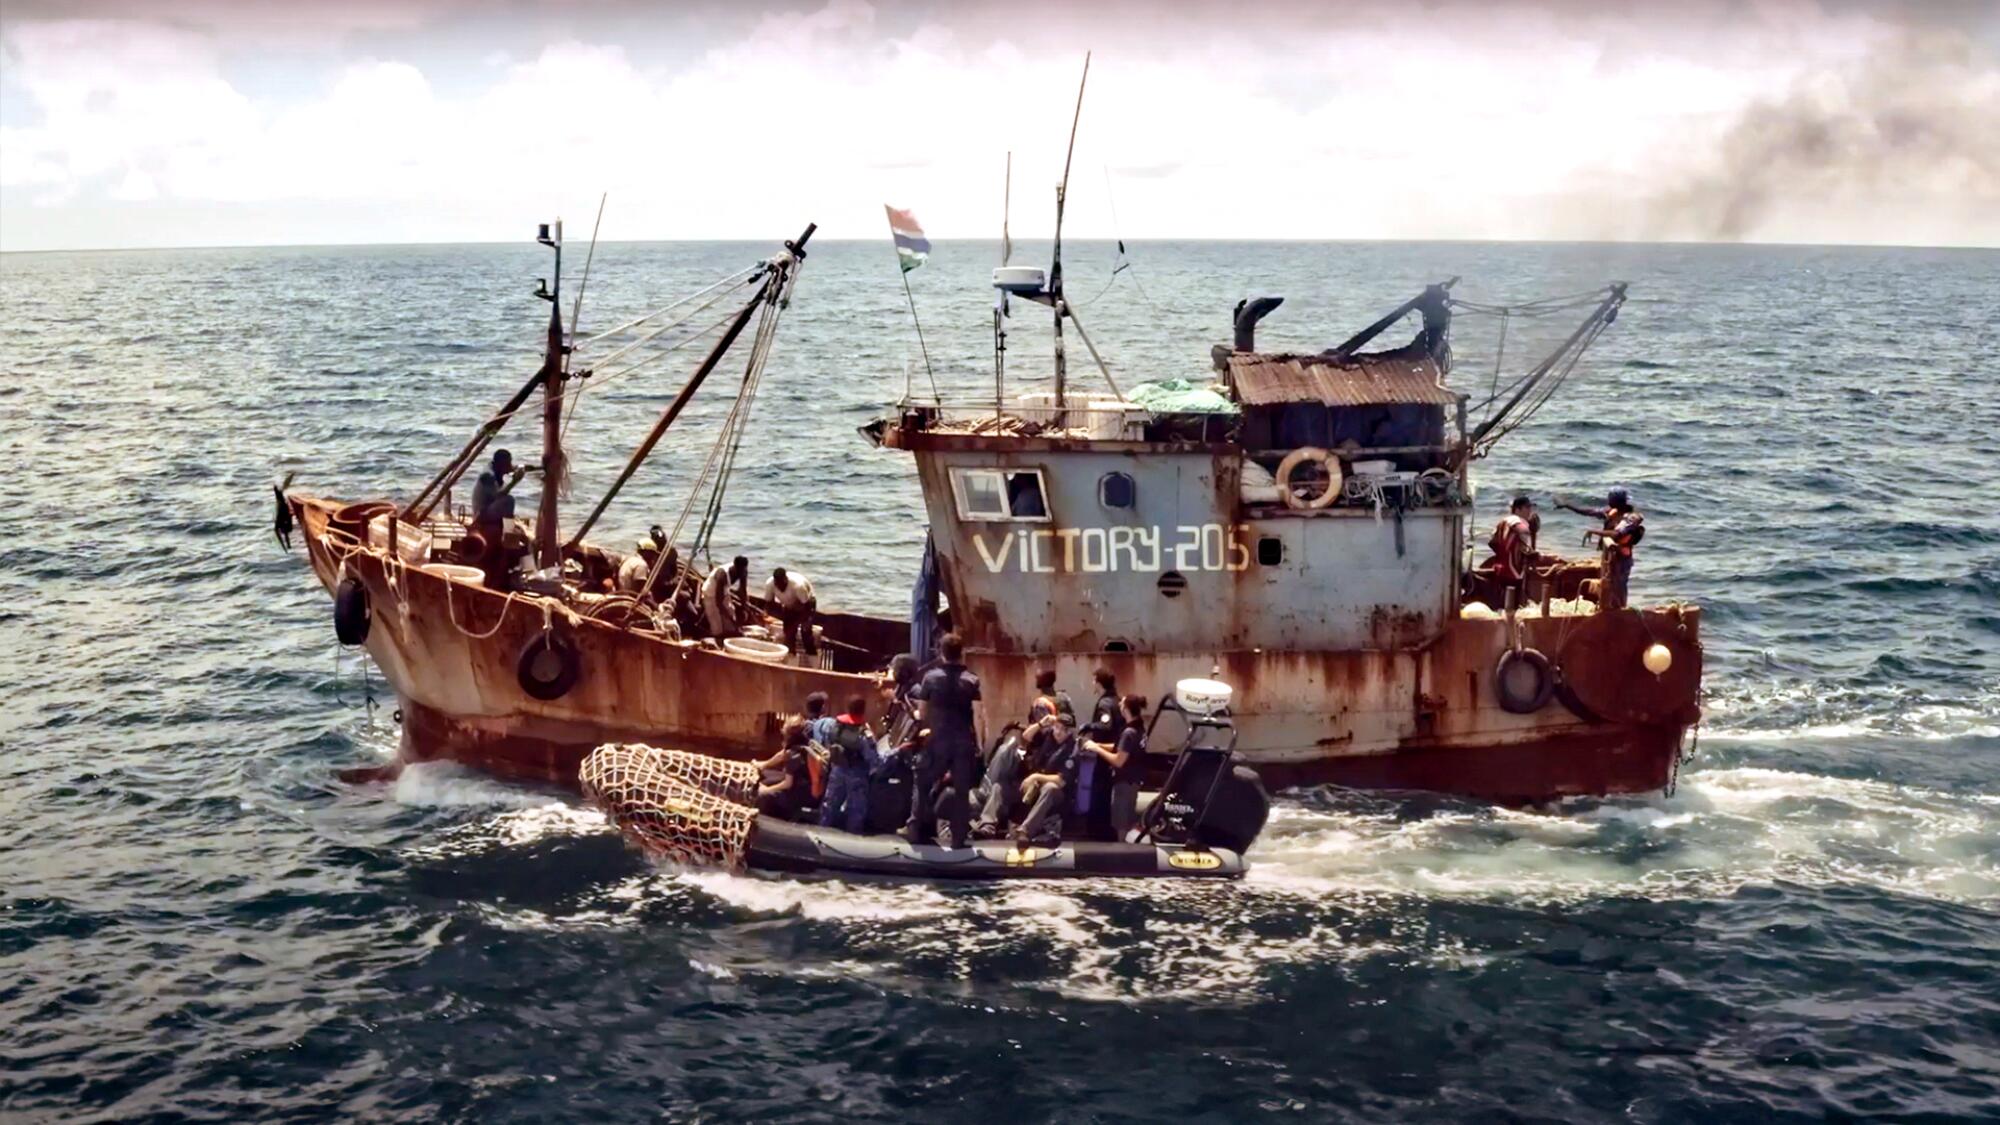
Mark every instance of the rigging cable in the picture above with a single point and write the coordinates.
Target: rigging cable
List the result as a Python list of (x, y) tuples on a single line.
[(656, 355), (721, 455)]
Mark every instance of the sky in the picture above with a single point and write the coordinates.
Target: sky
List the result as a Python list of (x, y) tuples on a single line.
[(126, 123)]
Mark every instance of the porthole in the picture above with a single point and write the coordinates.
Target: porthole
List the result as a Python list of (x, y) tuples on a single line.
[(1117, 490), (1270, 551), (1118, 646), (1172, 583)]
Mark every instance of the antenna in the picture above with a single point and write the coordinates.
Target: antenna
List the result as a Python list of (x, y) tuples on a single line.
[(1006, 208), (1055, 268)]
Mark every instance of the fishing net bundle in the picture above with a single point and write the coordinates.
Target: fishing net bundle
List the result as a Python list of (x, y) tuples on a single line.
[(717, 777), (674, 805)]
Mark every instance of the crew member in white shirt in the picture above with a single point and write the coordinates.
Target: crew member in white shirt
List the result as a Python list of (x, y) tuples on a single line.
[(792, 594)]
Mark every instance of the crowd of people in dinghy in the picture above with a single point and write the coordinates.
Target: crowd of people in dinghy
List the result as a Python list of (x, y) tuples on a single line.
[(920, 773)]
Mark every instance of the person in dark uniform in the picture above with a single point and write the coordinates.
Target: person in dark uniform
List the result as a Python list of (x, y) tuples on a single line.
[(1050, 787), (1126, 758), (946, 694), (851, 754), (1622, 530), (1093, 783)]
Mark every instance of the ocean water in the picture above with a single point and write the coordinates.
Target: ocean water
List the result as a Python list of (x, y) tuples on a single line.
[(199, 921)]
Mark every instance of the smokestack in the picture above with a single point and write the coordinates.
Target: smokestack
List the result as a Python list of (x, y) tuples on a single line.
[(1248, 313)]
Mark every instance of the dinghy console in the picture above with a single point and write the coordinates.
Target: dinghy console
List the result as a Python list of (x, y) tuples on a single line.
[(1210, 798)]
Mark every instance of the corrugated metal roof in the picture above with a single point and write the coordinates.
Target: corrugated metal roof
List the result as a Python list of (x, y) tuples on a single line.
[(1264, 379)]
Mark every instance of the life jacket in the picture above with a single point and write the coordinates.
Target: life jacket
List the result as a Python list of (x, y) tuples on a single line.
[(849, 745), (1625, 534), (1510, 546)]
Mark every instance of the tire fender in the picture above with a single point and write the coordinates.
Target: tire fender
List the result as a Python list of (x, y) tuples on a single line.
[(549, 666), (352, 613), (1512, 697)]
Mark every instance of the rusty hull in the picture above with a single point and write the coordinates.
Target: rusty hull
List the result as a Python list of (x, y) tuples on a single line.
[(450, 650), (1424, 718), (1414, 714)]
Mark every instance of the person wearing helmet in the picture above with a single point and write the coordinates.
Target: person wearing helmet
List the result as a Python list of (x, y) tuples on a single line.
[(1622, 530), (637, 565)]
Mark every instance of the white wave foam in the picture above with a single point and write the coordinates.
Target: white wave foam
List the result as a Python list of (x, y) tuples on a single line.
[(443, 785), (1724, 829), (822, 899), (1814, 712)]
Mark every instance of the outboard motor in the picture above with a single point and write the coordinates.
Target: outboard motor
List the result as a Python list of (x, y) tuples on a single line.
[(1211, 797)]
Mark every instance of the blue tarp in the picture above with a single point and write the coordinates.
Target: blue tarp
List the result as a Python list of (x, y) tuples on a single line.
[(924, 605)]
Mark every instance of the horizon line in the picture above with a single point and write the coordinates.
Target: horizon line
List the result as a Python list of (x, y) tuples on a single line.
[(962, 239)]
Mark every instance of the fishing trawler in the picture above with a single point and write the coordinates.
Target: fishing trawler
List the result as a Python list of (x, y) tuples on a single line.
[(1296, 525)]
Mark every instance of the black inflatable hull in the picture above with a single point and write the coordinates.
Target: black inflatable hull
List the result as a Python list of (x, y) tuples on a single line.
[(799, 849)]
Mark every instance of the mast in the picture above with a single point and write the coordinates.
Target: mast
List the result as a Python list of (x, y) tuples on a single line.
[(1000, 295), (1055, 269), (548, 540)]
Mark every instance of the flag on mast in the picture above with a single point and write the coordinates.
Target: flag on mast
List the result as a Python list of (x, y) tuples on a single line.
[(912, 248)]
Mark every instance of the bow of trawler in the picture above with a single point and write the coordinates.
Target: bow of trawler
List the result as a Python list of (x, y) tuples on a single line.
[(517, 647)]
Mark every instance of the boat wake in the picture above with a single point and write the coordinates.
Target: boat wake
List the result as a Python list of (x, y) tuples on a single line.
[(1724, 829), (1366, 881)]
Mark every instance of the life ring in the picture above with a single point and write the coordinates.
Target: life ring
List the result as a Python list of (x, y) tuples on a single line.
[(1512, 697), (351, 612), (549, 666), (1299, 457)]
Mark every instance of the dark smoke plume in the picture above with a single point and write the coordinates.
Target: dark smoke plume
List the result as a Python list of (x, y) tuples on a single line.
[(1914, 123)]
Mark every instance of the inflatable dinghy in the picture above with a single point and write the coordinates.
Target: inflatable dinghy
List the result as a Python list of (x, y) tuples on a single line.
[(695, 810), (800, 849)]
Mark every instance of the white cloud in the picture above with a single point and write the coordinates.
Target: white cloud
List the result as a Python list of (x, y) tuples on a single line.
[(1493, 123)]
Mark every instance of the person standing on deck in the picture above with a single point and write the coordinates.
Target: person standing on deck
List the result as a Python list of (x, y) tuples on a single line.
[(716, 603), (793, 595), (1126, 758), (946, 693), (1622, 530), (1093, 785), (1513, 544)]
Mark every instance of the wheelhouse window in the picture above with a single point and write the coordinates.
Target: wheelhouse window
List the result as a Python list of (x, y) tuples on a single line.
[(1117, 490), (999, 494)]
